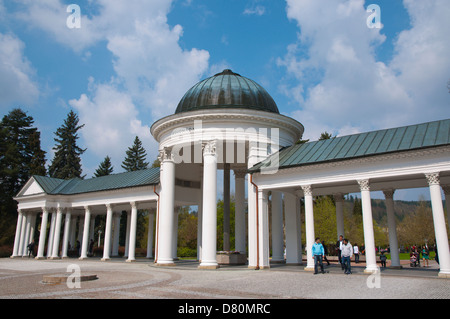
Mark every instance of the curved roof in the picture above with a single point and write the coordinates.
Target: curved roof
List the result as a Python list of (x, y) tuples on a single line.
[(227, 90)]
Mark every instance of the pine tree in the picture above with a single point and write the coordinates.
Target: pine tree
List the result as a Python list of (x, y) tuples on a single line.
[(135, 159), (20, 157), (105, 168), (67, 161)]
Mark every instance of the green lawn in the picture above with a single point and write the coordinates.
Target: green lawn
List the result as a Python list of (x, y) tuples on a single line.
[(405, 256)]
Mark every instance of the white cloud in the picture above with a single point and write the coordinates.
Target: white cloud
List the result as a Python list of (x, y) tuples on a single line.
[(16, 73), (351, 90), (255, 10)]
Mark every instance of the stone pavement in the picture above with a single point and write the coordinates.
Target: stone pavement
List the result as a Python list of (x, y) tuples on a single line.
[(117, 279)]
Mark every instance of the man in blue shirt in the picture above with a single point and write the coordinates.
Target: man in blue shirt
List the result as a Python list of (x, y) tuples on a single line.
[(318, 253)]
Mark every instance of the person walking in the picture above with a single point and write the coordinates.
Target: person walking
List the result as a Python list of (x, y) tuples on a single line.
[(356, 252), (346, 254), (339, 249), (31, 249), (318, 253)]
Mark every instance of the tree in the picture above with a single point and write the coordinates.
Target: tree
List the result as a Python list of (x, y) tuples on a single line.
[(325, 136), (21, 157), (135, 159), (105, 168), (66, 163)]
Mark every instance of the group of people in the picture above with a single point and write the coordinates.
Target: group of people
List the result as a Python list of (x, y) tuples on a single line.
[(345, 252), (415, 256)]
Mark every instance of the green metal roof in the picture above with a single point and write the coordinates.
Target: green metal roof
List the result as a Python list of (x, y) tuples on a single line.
[(73, 186), (227, 90), (392, 140)]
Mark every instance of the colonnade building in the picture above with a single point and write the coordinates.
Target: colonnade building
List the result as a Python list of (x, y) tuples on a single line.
[(229, 122)]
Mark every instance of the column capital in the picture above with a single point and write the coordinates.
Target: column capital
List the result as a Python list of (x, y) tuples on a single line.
[(432, 178), (364, 184), (338, 197), (240, 173), (389, 193), (307, 190), (109, 206), (209, 148), (133, 205), (165, 154)]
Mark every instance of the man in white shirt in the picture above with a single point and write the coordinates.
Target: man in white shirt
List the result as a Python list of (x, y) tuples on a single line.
[(346, 255)]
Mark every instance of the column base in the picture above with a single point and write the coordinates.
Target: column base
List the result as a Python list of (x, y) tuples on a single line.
[(130, 260), (444, 275), (165, 264), (308, 268), (13, 257), (371, 271), (208, 266), (105, 259), (39, 258), (83, 258), (54, 258)]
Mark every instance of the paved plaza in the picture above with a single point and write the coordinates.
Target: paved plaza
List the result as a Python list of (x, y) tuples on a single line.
[(117, 279)]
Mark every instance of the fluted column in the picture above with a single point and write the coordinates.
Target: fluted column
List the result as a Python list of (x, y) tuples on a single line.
[(277, 227), (263, 229), (166, 216), (226, 207), (239, 222), (57, 234), (18, 233), (175, 234), (309, 226), (439, 224), (127, 234), (133, 227), (108, 229), (339, 200), (67, 226), (369, 238), (23, 230), (85, 244), (51, 235), (209, 223), (27, 234), (43, 233), (392, 228)]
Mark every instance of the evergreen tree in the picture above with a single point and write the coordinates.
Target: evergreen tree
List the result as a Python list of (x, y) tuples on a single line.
[(67, 161), (325, 136), (135, 159), (20, 157), (105, 168)]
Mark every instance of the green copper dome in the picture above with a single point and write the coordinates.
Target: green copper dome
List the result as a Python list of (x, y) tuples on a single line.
[(227, 90)]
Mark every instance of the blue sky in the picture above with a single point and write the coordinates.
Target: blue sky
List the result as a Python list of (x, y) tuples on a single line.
[(131, 62)]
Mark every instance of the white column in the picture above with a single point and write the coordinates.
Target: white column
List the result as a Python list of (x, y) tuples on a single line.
[(392, 228), (108, 228), (439, 224), (226, 207), (115, 248), (309, 226), (369, 238), (67, 227), (80, 228), (446, 189), (18, 233), (251, 212), (92, 228), (166, 216), (293, 229), (57, 234), (73, 231), (263, 229), (200, 217), (175, 234), (33, 226), (127, 234), (277, 227), (239, 222), (22, 234), (339, 200), (27, 235), (43, 233), (150, 234), (133, 228), (51, 235), (209, 224), (85, 244)]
